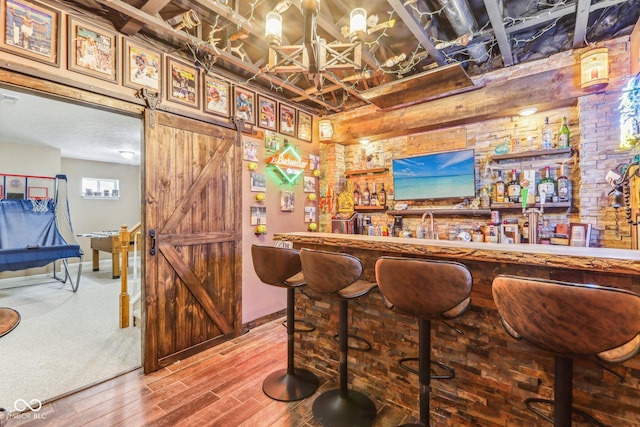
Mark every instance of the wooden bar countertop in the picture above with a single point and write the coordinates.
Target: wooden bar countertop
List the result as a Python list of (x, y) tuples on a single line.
[(618, 261)]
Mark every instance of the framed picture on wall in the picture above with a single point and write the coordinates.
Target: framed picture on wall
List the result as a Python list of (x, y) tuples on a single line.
[(258, 215), (184, 84), (267, 113), (30, 29), (258, 181), (92, 50), (142, 67), (309, 184), (287, 201), (249, 151), (244, 105), (304, 126), (217, 96), (287, 120)]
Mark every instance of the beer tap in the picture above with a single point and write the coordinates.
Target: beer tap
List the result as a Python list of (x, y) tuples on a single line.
[(532, 214)]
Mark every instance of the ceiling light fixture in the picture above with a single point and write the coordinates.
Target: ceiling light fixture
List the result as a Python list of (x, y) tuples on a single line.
[(365, 141), (8, 99), (314, 55), (527, 111), (127, 154)]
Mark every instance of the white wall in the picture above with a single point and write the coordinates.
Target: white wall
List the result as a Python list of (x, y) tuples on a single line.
[(91, 215), (29, 159)]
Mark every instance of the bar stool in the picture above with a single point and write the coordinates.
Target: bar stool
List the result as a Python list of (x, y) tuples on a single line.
[(281, 267), (428, 290), (571, 321), (338, 274)]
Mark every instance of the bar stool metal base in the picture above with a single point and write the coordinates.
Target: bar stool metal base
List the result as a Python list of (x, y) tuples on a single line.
[(285, 387), (331, 409)]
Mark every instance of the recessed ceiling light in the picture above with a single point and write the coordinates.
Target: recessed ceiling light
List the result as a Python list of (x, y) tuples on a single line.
[(8, 99), (365, 141), (127, 154), (527, 111)]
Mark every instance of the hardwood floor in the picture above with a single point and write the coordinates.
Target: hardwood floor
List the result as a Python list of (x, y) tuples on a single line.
[(218, 387)]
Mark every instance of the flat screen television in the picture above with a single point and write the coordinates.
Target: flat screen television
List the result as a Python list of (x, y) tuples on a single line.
[(435, 176)]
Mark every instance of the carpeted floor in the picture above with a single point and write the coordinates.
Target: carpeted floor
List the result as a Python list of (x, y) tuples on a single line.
[(65, 340)]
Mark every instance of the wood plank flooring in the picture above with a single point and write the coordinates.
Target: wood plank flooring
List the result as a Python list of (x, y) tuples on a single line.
[(218, 387)]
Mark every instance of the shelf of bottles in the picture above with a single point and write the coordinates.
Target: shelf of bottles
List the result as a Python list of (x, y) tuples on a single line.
[(550, 205), (533, 153), (366, 171), (440, 211)]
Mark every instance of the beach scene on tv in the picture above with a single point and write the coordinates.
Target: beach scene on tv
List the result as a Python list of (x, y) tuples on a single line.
[(444, 175)]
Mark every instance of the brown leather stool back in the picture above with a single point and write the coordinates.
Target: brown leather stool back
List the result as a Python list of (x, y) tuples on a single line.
[(329, 272), (424, 288), (275, 265), (570, 319)]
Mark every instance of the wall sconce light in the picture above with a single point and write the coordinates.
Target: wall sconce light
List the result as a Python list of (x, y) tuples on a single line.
[(127, 154), (325, 128), (187, 20), (594, 69)]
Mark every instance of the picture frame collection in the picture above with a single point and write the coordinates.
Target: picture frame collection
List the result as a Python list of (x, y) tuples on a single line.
[(33, 30)]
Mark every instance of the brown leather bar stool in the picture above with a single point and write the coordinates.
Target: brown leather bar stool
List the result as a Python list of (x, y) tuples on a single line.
[(571, 321), (428, 290), (281, 267), (338, 274)]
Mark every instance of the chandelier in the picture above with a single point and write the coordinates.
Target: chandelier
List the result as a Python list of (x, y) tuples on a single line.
[(314, 55)]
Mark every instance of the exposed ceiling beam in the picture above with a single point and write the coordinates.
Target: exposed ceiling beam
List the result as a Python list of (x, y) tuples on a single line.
[(417, 31), (495, 16), (151, 7), (582, 19), (547, 16), (163, 28), (327, 25)]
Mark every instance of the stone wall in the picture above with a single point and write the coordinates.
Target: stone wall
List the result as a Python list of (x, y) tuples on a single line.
[(494, 372), (593, 120)]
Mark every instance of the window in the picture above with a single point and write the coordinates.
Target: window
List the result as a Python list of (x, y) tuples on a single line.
[(98, 188)]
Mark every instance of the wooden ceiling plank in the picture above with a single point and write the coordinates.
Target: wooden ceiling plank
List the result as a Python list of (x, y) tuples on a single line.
[(582, 19), (417, 31), (495, 16), (152, 7), (164, 28)]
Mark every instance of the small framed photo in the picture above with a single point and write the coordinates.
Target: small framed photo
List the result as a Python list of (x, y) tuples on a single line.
[(249, 151), (258, 182), (272, 141), (142, 67), (287, 120), (579, 234), (92, 50), (309, 184), (309, 214), (267, 113), (314, 162), (287, 201), (31, 30), (244, 105), (304, 126), (184, 84), (217, 96), (258, 215)]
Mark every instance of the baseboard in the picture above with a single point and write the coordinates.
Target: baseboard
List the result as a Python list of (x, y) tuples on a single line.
[(265, 319)]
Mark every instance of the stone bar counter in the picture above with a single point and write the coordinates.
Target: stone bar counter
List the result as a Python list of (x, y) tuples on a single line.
[(494, 372)]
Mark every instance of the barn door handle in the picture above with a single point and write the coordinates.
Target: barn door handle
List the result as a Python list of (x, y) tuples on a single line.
[(152, 234)]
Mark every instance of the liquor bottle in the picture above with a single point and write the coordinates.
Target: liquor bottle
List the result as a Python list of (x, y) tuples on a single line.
[(564, 135), (356, 195), (515, 140), (366, 196), (513, 188), (500, 189), (547, 141), (390, 198), (382, 197), (564, 190), (547, 185), (525, 232), (374, 196)]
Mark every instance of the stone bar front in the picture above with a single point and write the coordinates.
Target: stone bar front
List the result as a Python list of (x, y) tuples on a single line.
[(494, 372)]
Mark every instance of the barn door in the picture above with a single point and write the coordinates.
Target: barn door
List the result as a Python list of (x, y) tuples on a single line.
[(193, 238)]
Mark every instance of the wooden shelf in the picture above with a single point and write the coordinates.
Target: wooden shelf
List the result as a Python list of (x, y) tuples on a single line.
[(533, 153), (436, 212), (550, 205), (366, 171), (368, 208)]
